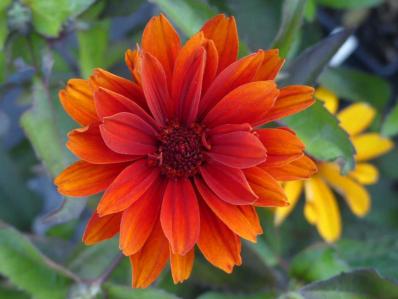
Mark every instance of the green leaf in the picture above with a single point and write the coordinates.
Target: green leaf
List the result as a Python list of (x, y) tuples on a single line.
[(390, 125), (188, 15), (40, 126), (360, 284), (317, 262), (8, 293), (349, 4), (3, 22), (27, 268), (121, 292), (355, 85), (292, 16), (93, 44), (214, 295), (322, 135), (49, 16)]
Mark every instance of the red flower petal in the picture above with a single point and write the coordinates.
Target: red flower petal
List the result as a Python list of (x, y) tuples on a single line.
[(139, 219), (84, 179), (211, 64), (128, 187), (283, 146), (266, 187), (127, 133), (291, 99), (238, 73), (181, 265), (131, 57), (302, 168), (179, 216), (149, 262), (161, 40), (222, 30), (270, 66), (186, 85), (87, 144), (77, 100), (242, 220), (154, 84), (101, 228), (249, 103), (229, 128), (218, 244), (237, 149), (127, 88), (108, 103), (229, 184)]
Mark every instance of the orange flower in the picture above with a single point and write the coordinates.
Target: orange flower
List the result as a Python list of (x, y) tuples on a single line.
[(179, 150)]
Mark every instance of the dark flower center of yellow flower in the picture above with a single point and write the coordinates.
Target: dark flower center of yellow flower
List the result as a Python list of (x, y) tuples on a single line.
[(181, 150)]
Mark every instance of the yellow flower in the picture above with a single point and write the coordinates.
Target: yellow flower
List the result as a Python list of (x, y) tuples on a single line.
[(321, 207)]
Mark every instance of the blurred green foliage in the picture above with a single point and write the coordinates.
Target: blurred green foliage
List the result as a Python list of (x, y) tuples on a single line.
[(43, 43)]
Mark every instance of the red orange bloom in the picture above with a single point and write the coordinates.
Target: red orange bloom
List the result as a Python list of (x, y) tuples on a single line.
[(178, 150)]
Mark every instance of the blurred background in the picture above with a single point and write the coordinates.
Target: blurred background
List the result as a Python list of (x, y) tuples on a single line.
[(43, 43)]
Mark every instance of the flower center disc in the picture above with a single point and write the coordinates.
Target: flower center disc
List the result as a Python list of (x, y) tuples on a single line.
[(181, 150)]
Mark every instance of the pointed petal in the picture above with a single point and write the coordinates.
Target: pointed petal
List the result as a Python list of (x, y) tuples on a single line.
[(302, 168), (139, 219), (365, 173), (249, 103), (282, 146), (127, 133), (238, 73), (292, 99), (154, 84), (268, 190), (270, 66), (187, 79), (357, 196), (181, 265), (218, 244), (149, 262), (237, 149), (128, 187), (127, 88), (329, 99), (87, 144), (293, 191), (108, 103), (179, 216), (321, 201), (242, 220), (356, 118), (371, 145), (211, 64), (224, 33), (85, 179), (101, 228), (229, 184), (132, 60), (161, 40), (77, 101)]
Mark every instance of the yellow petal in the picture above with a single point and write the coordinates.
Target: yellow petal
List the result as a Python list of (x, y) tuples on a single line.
[(293, 191), (356, 195), (321, 206), (356, 118), (365, 173), (328, 97), (371, 145)]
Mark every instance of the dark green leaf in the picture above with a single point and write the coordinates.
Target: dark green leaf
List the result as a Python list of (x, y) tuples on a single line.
[(349, 4), (8, 293), (26, 268), (390, 125), (360, 284), (214, 295), (93, 44), (355, 85), (292, 15), (121, 292), (188, 15), (316, 263)]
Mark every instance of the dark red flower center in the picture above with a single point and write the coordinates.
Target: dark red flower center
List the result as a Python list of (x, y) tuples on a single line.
[(181, 150)]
